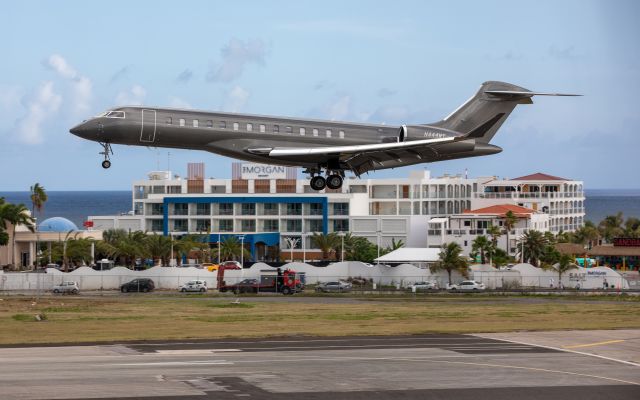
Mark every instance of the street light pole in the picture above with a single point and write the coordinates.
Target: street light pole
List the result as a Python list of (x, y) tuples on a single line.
[(378, 232), (218, 248), (242, 251)]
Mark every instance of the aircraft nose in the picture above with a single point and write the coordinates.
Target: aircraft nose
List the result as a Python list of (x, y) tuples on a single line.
[(79, 130)]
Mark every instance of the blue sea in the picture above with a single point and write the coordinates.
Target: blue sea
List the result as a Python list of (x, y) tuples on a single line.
[(76, 206)]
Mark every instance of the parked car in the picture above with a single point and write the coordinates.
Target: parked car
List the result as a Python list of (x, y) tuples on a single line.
[(194, 286), (231, 265), (67, 287), (467, 286), (424, 286), (138, 285), (244, 286), (334, 286)]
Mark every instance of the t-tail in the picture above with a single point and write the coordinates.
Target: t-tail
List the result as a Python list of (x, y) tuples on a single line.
[(481, 116)]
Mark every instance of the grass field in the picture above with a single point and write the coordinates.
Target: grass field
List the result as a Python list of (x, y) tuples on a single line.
[(151, 317)]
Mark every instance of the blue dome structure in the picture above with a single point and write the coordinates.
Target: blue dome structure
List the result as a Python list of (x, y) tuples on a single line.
[(57, 224)]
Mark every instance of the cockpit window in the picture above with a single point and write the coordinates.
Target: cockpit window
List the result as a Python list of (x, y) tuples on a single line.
[(115, 114)]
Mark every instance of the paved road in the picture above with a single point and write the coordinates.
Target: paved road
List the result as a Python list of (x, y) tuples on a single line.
[(408, 367)]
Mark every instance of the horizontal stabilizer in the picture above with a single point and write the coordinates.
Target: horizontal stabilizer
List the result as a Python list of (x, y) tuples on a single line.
[(521, 93)]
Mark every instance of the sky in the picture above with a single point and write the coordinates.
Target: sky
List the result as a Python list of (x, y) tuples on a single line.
[(395, 62)]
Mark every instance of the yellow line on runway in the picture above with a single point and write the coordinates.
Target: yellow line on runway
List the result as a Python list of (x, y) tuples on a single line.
[(592, 344)]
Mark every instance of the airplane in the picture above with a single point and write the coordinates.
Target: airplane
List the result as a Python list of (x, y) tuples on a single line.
[(318, 146)]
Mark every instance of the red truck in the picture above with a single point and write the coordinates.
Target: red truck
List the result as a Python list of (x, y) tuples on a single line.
[(278, 281)]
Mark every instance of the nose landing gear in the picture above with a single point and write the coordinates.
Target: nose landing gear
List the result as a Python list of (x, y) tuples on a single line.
[(106, 153)]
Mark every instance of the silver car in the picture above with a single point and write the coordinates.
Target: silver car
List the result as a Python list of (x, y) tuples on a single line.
[(467, 286), (67, 287), (334, 286), (194, 286), (423, 286)]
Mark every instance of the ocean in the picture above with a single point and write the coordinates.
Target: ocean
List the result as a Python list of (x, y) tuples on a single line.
[(76, 206)]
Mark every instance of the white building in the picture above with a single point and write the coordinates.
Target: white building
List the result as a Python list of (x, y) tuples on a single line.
[(267, 205), (466, 227)]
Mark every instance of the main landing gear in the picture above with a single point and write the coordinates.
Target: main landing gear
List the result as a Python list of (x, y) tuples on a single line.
[(106, 153), (332, 181)]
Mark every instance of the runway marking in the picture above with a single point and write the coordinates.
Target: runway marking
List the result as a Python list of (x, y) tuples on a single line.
[(189, 352), (592, 344), (535, 369), (177, 363), (574, 351)]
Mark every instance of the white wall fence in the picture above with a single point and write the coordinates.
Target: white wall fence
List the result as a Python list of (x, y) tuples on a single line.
[(363, 276)]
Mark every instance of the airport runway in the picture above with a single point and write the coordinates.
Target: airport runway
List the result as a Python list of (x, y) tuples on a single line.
[(405, 367)]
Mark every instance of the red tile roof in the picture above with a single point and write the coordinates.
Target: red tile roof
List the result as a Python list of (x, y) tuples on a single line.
[(502, 209), (539, 176)]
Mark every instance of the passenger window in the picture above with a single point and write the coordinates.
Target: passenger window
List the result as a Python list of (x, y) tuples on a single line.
[(249, 127), (328, 132), (288, 129), (169, 121), (195, 123), (341, 134), (302, 131), (182, 121), (263, 128), (223, 124), (236, 126), (209, 123), (276, 129), (315, 132)]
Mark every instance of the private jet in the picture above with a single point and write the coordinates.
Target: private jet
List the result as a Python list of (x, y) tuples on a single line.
[(326, 149)]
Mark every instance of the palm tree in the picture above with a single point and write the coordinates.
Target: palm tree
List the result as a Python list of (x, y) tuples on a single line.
[(231, 248), (394, 245), (495, 232), (16, 214), (158, 247), (450, 260), (326, 243), (510, 220), (632, 227), (587, 234), (611, 227), (194, 243), (4, 236), (532, 246), (483, 246), (565, 263), (38, 198)]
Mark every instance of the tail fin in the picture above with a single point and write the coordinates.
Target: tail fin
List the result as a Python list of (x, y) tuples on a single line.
[(481, 116)]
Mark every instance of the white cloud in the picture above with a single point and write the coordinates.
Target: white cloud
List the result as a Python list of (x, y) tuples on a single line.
[(132, 97), (9, 96), (42, 105), (177, 102), (340, 108), (235, 55), (57, 63), (236, 99)]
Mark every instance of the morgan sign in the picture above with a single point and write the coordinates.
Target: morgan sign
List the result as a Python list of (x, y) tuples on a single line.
[(262, 171)]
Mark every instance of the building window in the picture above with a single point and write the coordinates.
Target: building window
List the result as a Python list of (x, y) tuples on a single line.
[(169, 121), (209, 123), (315, 132), (157, 225), (276, 129), (341, 134), (157, 209), (340, 208), (294, 225), (263, 128), (203, 225), (340, 225), (225, 225), (270, 209), (248, 225), (271, 225), (195, 123), (182, 121), (288, 129), (203, 209), (294, 209), (315, 209), (181, 209), (236, 126), (314, 225), (249, 127), (248, 209), (302, 131), (329, 133), (225, 209), (223, 125), (181, 225)]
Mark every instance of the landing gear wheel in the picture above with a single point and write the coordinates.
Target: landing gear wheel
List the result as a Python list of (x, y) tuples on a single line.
[(318, 183), (334, 181), (106, 164)]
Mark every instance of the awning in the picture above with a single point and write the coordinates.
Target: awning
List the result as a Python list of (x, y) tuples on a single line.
[(411, 254)]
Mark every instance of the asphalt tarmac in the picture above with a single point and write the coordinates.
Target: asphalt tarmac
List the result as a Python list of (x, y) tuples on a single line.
[(405, 367)]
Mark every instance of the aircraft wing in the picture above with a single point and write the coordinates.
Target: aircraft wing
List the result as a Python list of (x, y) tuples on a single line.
[(365, 157)]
